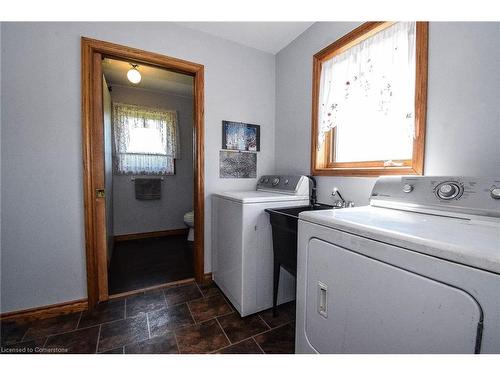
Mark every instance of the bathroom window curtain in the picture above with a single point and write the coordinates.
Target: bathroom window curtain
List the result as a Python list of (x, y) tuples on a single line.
[(146, 140), (370, 89)]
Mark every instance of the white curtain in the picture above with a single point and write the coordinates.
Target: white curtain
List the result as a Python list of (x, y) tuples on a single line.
[(146, 140), (372, 83)]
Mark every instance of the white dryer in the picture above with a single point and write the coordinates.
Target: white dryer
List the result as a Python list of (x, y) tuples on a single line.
[(416, 271), (242, 250)]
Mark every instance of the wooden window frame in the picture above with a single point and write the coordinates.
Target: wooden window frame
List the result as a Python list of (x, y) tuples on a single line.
[(322, 163)]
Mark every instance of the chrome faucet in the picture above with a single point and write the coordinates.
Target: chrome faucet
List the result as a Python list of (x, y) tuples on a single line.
[(341, 203)]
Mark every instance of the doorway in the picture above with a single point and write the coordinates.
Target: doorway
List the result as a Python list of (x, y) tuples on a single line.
[(94, 153), (148, 163)]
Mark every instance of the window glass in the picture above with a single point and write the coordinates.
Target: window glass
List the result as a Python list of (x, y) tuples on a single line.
[(369, 101)]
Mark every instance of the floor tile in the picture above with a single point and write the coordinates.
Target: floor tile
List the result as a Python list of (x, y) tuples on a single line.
[(11, 332), (280, 340), (52, 326), (169, 319), (180, 294), (238, 328), (119, 350), (286, 314), (144, 302), (248, 346), (158, 345), (146, 262), (103, 313), (79, 341), (201, 338), (207, 308), (209, 289), (123, 332)]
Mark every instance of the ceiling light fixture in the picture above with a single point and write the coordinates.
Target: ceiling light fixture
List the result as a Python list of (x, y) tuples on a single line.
[(133, 75)]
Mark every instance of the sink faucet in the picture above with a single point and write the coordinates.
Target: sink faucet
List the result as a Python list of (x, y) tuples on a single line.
[(342, 203), (313, 199)]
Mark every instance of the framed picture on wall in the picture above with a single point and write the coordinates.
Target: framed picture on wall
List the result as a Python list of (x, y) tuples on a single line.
[(234, 164), (240, 136)]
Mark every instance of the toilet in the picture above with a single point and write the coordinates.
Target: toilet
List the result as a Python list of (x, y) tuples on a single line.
[(189, 221)]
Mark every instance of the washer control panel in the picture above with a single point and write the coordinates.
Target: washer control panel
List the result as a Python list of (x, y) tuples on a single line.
[(297, 185), (469, 195)]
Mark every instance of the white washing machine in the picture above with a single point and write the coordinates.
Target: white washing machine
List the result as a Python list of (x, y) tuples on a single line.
[(416, 271), (242, 252)]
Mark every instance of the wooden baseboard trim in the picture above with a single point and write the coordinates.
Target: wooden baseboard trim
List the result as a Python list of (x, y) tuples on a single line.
[(207, 277), (159, 233), (49, 311)]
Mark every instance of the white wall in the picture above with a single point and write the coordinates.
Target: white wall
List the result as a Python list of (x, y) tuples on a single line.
[(43, 257), (463, 120), (136, 216)]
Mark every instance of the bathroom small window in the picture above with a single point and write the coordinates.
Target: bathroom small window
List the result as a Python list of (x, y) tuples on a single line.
[(369, 101), (145, 140)]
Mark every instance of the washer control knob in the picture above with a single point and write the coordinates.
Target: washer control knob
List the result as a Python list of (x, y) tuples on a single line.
[(407, 188), (266, 180), (495, 192), (276, 181), (286, 181), (448, 190)]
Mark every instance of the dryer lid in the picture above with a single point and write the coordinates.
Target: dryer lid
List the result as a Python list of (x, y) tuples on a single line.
[(468, 241)]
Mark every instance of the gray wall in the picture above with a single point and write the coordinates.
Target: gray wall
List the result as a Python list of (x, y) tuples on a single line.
[(135, 216), (463, 120), (43, 257)]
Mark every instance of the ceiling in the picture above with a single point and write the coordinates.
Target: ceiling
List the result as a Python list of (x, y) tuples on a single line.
[(265, 36), (154, 79)]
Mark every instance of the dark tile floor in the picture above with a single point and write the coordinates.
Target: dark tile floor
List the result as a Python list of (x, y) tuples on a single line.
[(190, 318), (142, 263)]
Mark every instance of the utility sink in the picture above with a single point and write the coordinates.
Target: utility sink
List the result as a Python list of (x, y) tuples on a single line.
[(284, 222), (295, 211)]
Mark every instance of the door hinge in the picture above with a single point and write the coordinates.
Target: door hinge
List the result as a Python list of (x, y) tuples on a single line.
[(100, 193)]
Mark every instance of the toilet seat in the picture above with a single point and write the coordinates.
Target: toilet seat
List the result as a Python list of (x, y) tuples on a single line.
[(189, 218), (189, 221)]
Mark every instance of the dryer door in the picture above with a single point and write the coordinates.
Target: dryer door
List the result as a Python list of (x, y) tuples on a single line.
[(356, 304)]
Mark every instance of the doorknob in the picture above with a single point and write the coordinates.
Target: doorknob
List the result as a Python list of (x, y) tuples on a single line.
[(100, 193)]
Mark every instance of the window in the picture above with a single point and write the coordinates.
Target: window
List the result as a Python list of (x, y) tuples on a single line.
[(369, 101), (145, 140)]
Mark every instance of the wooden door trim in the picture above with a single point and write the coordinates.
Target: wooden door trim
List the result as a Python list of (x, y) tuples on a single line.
[(93, 159), (44, 312)]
